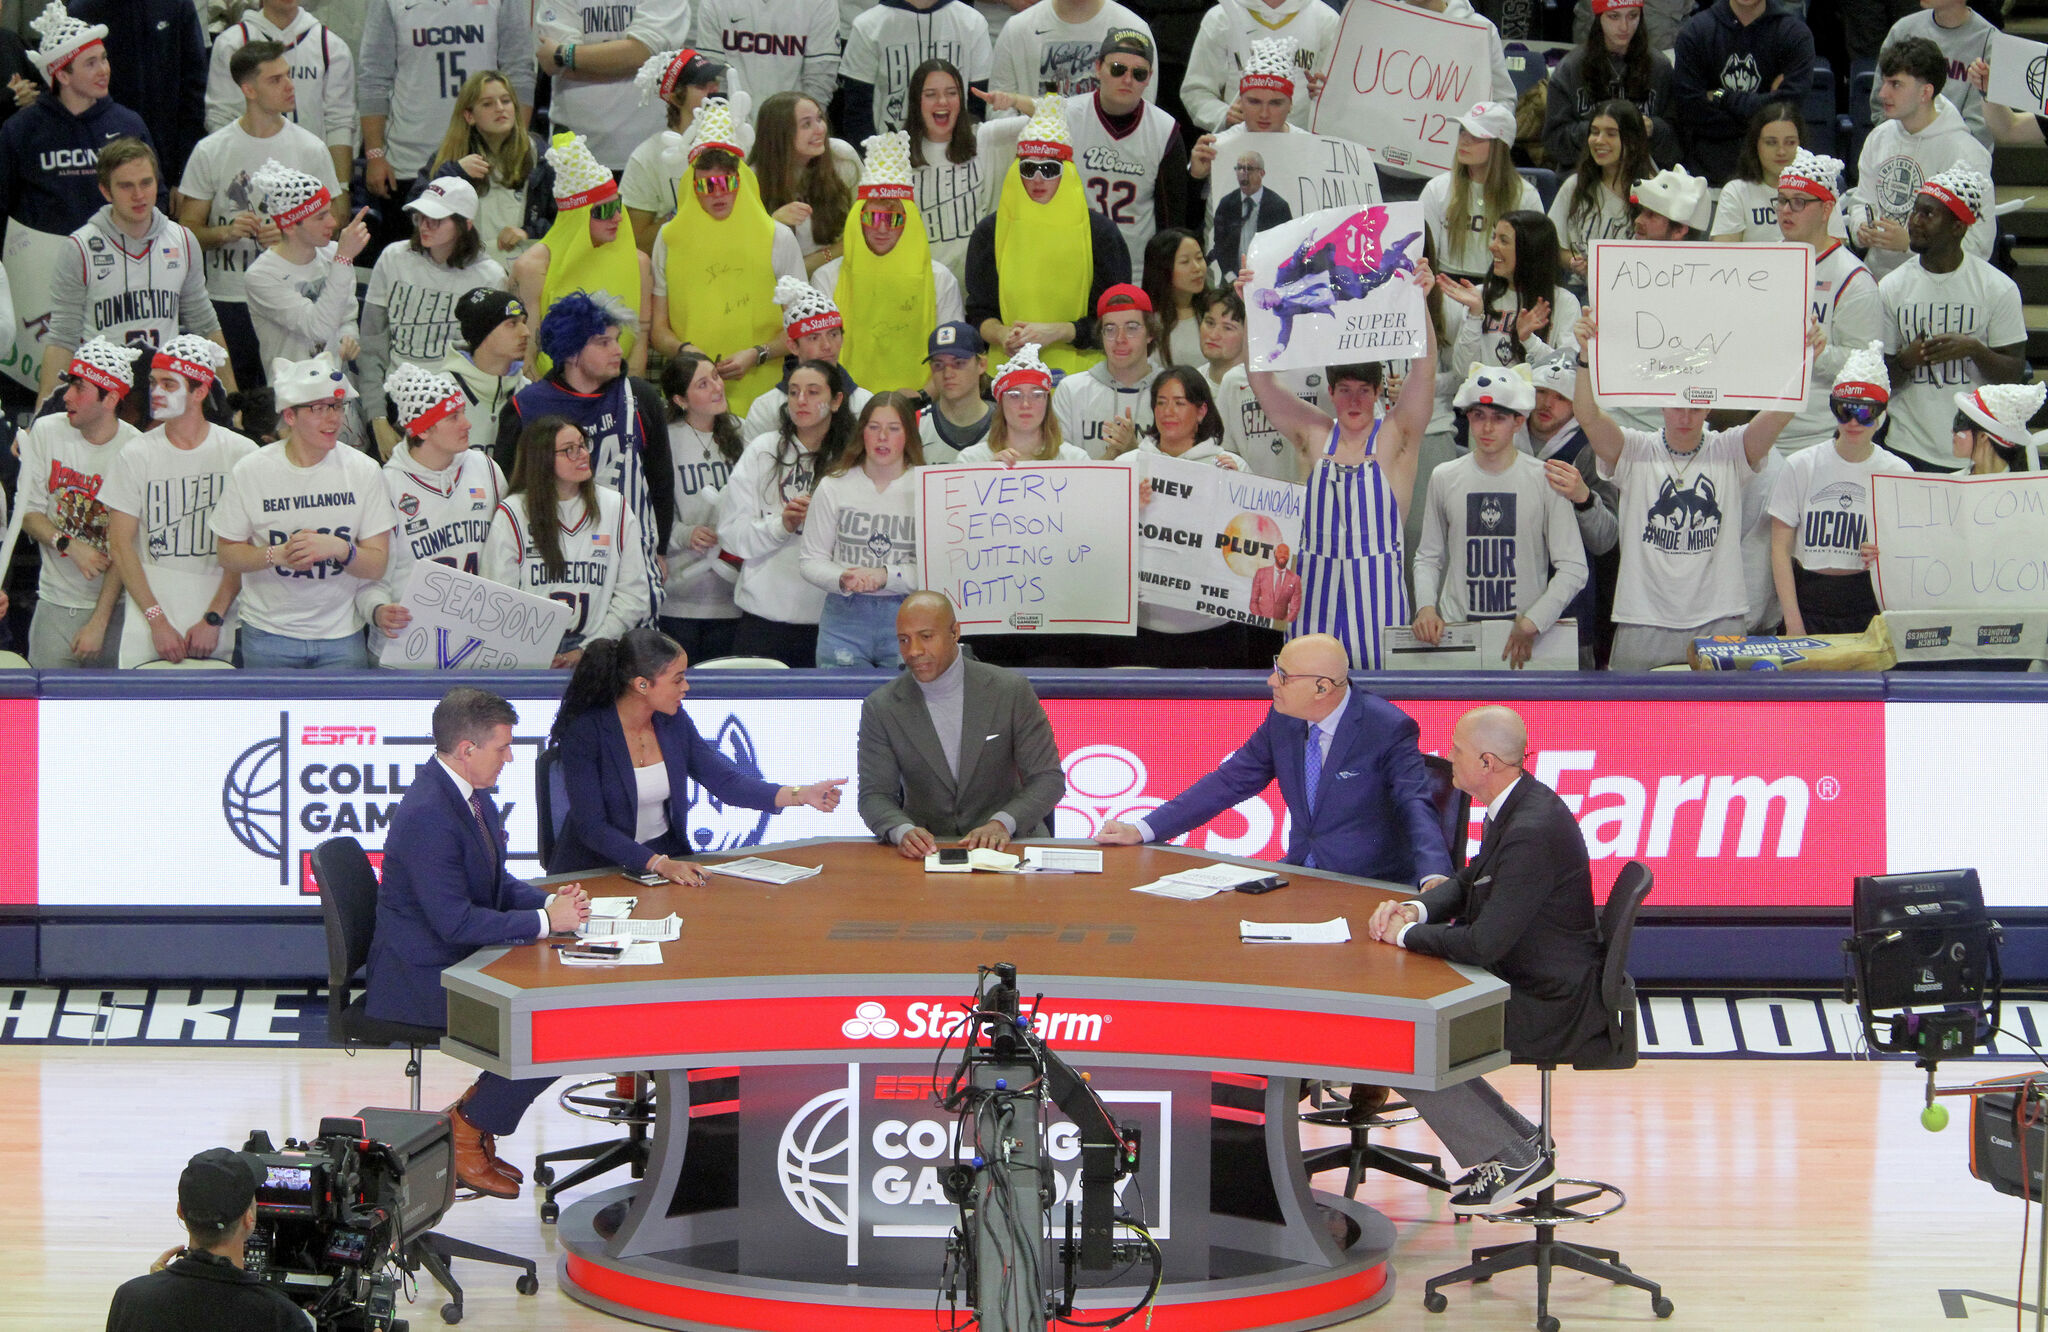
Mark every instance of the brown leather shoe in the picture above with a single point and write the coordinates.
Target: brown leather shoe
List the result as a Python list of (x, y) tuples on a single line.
[(474, 1166), (504, 1167)]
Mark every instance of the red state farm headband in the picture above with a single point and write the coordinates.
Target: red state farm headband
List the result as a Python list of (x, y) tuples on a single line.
[(1266, 82), (99, 375), (1806, 185), (1041, 148), (1861, 391), (434, 415), (56, 65), (596, 194), (298, 213), (202, 375), (1949, 199), (1022, 377), (1607, 6), (817, 323), (886, 192)]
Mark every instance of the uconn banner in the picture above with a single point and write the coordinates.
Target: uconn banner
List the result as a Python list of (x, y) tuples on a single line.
[(1741, 804)]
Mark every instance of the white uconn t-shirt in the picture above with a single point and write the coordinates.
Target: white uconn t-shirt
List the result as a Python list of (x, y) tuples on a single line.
[(604, 579), (1681, 530), (268, 499)]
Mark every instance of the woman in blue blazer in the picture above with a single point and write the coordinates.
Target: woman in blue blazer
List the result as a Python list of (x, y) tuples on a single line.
[(627, 752)]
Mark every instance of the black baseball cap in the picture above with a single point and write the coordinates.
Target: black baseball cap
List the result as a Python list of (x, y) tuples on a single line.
[(1125, 41), (217, 1187), (955, 339), (482, 309)]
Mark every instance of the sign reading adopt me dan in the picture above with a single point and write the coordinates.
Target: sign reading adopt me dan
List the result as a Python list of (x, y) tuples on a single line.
[(461, 622), (1399, 80), (1050, 548), (1334, 288), (1700, 325), (2019, 74), (1219, 542), (1969, 543)]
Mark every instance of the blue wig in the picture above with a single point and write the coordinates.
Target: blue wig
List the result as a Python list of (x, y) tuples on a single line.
[(572, 321)]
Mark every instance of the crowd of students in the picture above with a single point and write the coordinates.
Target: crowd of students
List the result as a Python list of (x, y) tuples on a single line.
[(709, 343)]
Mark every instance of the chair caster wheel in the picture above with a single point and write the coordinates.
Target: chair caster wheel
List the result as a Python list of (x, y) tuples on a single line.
[(1547, 1324), (1435, 1302), (543, 1175), (1662, 1307), (549, 1213), (451, 1313), (528, 1284)]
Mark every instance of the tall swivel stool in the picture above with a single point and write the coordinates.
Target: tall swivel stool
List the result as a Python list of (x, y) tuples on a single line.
[(1368, 1108), (1546, 1211), (348, 910)]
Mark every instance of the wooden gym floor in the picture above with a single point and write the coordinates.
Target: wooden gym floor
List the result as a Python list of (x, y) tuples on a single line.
[(1788, 1194)]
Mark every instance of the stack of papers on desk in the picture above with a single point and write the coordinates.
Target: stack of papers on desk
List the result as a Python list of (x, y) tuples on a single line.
[(1192, 885), (639, 953), (1062, 860), (764, 871), (668, 928), (1263, 931), (612, 908)]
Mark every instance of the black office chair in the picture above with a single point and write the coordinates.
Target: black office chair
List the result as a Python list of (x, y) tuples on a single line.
[(348, 909), (1546, 181), (550, 803), (1587, 1203), (1367, 1107)]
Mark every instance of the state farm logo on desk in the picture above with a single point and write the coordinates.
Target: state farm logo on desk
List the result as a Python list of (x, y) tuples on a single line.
[(927, 1020)]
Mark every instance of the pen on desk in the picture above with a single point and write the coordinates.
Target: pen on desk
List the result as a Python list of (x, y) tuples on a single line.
[(612, 948), (1262, 938)]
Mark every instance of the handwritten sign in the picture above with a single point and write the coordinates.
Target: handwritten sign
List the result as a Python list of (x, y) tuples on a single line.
[(1334, 288), (1701, 325), (461, 622), (185, 595), (1307, 172), (2019, 74), (1479, 645), (1399, 80), (31, 257), (1220, 542), (1974, 542), (1034, 549)]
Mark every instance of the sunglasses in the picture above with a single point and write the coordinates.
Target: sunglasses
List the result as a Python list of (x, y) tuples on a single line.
[(1026, 394), (1855, 409), (1136, 73), (886, 221), (608, 210), (718, 184), (1039, 169)]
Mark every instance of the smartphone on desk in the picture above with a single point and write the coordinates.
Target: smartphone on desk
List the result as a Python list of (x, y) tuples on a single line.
[(1265, 885)]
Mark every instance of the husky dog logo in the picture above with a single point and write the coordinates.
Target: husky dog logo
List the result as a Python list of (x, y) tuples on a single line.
[(1490, 514), (715, 825), (1740, 74), (1684, 518)]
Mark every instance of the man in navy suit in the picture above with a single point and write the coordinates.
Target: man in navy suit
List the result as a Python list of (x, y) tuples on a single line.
[(1359, 799), (445, 894), (1523, 909)]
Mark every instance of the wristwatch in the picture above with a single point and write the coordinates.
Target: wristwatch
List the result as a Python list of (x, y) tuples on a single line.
[(213, 618), (62, 543)]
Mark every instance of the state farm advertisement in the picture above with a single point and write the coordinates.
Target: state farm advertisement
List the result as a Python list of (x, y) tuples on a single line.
[(1730, 804)]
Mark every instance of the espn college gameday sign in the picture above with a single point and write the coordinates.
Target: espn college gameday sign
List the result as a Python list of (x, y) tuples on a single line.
[(219, 802)]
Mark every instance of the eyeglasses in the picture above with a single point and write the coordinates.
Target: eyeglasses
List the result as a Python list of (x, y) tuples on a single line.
[(1135, 73), (321, 408), (722, 183), (1855, 409), (608, 210), (580, 448), (1792, 203), (1040, 169), (1287, 677)]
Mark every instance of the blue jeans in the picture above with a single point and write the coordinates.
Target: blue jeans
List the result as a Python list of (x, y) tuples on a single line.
[(858, 631), (263, 651)]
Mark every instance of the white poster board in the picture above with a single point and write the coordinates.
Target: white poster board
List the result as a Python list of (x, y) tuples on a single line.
[(184, 596), (1701, 325), (1335, 288), (1478, 645), (1948, 543), (1220, 542), (1399, 80), (2019, 74), (1305, 172), (1050, 548), (461, 622)]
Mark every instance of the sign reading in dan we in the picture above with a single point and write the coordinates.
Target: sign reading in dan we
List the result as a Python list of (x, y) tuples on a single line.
[(1701, 325), (461, 622), (1049, 548)]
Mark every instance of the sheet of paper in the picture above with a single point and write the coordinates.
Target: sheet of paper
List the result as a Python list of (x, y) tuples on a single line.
[(641, 953), (1063, 859), (667, 928), (1181, 892), (1218, 875), (1328, 931), (612, 908), (764, 871)]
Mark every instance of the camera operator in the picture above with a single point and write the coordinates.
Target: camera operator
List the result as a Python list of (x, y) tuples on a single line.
[(204, 1284)]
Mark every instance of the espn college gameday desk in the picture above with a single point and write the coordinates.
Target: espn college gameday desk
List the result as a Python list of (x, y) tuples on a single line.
[(794, 1180)]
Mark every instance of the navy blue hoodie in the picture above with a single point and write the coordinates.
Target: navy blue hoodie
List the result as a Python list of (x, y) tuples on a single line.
[(49, 161), (1716, 52)]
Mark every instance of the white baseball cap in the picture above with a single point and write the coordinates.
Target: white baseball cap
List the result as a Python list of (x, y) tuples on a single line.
[(446, 197)]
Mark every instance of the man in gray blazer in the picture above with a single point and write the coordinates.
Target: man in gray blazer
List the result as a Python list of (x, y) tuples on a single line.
[(953, 748)]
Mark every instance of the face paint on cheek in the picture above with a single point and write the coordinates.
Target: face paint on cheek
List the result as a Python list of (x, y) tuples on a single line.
[(163, 405)]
